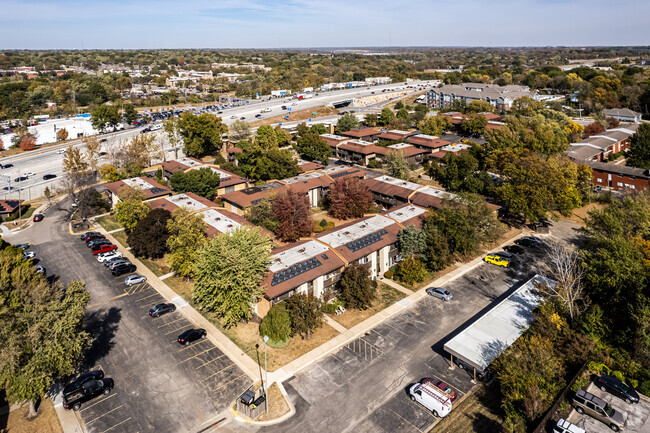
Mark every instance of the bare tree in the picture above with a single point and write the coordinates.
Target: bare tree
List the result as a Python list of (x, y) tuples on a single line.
[(565, 267), (173, 131), (93, 150)]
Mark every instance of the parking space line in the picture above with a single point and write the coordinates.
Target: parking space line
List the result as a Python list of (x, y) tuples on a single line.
[(173, 321), (227, 383), (212, 360), (407, 421), (147, 297), (104, 414), (200, 353), (178, 329), (119, 423), (139, 288), (192, 345), (107, 301), (223, 369), (97, 402)]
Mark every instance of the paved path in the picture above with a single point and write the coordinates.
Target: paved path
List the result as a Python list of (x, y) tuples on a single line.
[(396, 286), (334, 324)]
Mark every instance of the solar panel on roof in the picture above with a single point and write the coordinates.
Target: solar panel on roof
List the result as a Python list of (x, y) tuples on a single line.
[(156, 190), (343, 173), (366, 241), (295, 270), (256, 201)]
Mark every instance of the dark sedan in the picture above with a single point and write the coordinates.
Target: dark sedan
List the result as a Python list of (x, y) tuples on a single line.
[(49, 176), (85, 236), (20, 178), (160, 309), (529, 241), (616, 387), (86, 377), (514, 249), (191, 335)]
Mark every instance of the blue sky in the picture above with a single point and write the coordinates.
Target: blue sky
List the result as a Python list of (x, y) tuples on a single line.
[(320, 23)]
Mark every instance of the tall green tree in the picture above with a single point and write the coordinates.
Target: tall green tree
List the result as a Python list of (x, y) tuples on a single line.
[(639, 155), (386, 117), (131, 208), (346, 122), (41, 329), (434, 125), (474, 124), (313, 148), (239, 130), (104, 117), (187, 235), (306, 314), (276, 324), (412, 242), (459, 172), (130, 114), (201, 133), (203, 182), (397, 165), (228, 273), (358, 290), (266, 138), (261, 214)]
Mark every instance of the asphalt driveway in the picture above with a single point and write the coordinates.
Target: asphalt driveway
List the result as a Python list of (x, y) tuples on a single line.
[(159, 385)]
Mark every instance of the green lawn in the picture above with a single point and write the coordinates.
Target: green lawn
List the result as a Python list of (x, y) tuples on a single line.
[(155, 266), (121, 238), (109, 223)]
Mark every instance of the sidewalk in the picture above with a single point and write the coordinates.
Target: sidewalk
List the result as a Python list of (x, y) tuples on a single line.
[(67, 418), (224, 343)]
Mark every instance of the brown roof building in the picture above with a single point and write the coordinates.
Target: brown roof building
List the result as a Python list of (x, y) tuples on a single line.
[(8, 207), (427, 142), (367, 134), (309, 165), (389, 191), (148, 186), (396, 134), (598, 147)]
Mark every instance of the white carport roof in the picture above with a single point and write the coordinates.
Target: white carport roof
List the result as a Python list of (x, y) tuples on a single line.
[(482, 341)]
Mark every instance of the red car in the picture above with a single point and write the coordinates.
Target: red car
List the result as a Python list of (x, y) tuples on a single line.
[(38, 217), (104, 248), (443, 387)]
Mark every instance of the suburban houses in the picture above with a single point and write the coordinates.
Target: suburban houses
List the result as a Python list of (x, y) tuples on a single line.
[(149, 187)]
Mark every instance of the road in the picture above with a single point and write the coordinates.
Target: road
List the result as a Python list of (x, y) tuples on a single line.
[(47, 161), (160, 385)]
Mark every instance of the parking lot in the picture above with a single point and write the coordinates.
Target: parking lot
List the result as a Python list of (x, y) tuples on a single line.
[(159, 385), (637, 415), (373, 372)]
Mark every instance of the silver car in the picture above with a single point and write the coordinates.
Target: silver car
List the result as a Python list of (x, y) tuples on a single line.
[(439, 292), (134, 279)]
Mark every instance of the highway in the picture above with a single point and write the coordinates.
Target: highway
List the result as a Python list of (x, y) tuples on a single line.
[(48, 161)]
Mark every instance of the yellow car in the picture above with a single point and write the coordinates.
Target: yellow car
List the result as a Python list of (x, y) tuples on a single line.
[(496, 260)]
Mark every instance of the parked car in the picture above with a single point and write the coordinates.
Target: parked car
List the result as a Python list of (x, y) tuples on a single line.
[(103, 248), (62, 151), (86, 235), (616, 387), (94, 236), (430, 398), (123, 268), (28, 254), (23, 246), (104, 257), (514, 249), (191, 335), (599, 409), (83, 378), (134, 279), (496, 260), (111, 264), (97, 241), (49, 176), (160, 309), (480, 374), (564, 426), (442, 386), (40, 269), (505, 255), (438, 292), (529, 242), (38, 217), (88, 391)]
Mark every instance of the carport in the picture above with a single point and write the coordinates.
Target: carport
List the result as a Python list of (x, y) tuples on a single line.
[(485, 339)]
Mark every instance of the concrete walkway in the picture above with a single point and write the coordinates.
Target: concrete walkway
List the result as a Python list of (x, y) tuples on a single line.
[(224, 343), (396, 286), (116, 230), (162, 277), (334, 324)]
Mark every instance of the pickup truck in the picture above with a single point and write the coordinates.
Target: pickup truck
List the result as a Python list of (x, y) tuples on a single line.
[(87, 391)]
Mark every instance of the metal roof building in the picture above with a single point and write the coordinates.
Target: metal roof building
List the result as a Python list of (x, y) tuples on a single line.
[(485, 339)]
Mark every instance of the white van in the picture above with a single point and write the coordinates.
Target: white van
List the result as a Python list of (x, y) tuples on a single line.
[(432, 398), (564, 426)]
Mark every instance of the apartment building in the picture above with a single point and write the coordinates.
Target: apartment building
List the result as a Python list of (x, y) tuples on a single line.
[(228, 182), (149, 187), (500, 97), (598, 147)]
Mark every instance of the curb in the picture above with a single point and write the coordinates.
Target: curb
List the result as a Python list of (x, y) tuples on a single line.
[(286, 416)]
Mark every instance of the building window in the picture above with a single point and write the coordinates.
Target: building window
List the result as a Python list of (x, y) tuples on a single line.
[(619, 183), (632, 187), (599, 180)]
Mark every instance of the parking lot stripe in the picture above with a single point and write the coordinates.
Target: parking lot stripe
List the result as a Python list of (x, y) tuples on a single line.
[(227, 383), (107, 301), (104, 414), (223, 369), (147, 297), (194, 356), (119, 423), (192, 345), (178, 329), (407, 421), (212, 360), (97, 402), (173, 321)]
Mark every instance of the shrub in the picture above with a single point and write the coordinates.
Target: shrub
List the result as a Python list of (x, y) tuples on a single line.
[(323, 223), (412, 270), (276, 324), (331, 307), (374, 163), (389, 275), (579, 383)]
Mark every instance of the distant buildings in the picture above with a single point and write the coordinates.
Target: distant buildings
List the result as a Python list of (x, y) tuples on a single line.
[(149, 187), (619, 177), (500, 97), (623, 114), (599, 147)]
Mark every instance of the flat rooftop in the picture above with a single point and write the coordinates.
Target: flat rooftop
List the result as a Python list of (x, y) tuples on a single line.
[(485, 339), (183, 200), (297, 254), (356, 231), (219, 221), (406, 213), (398, 182), (190, 162)]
